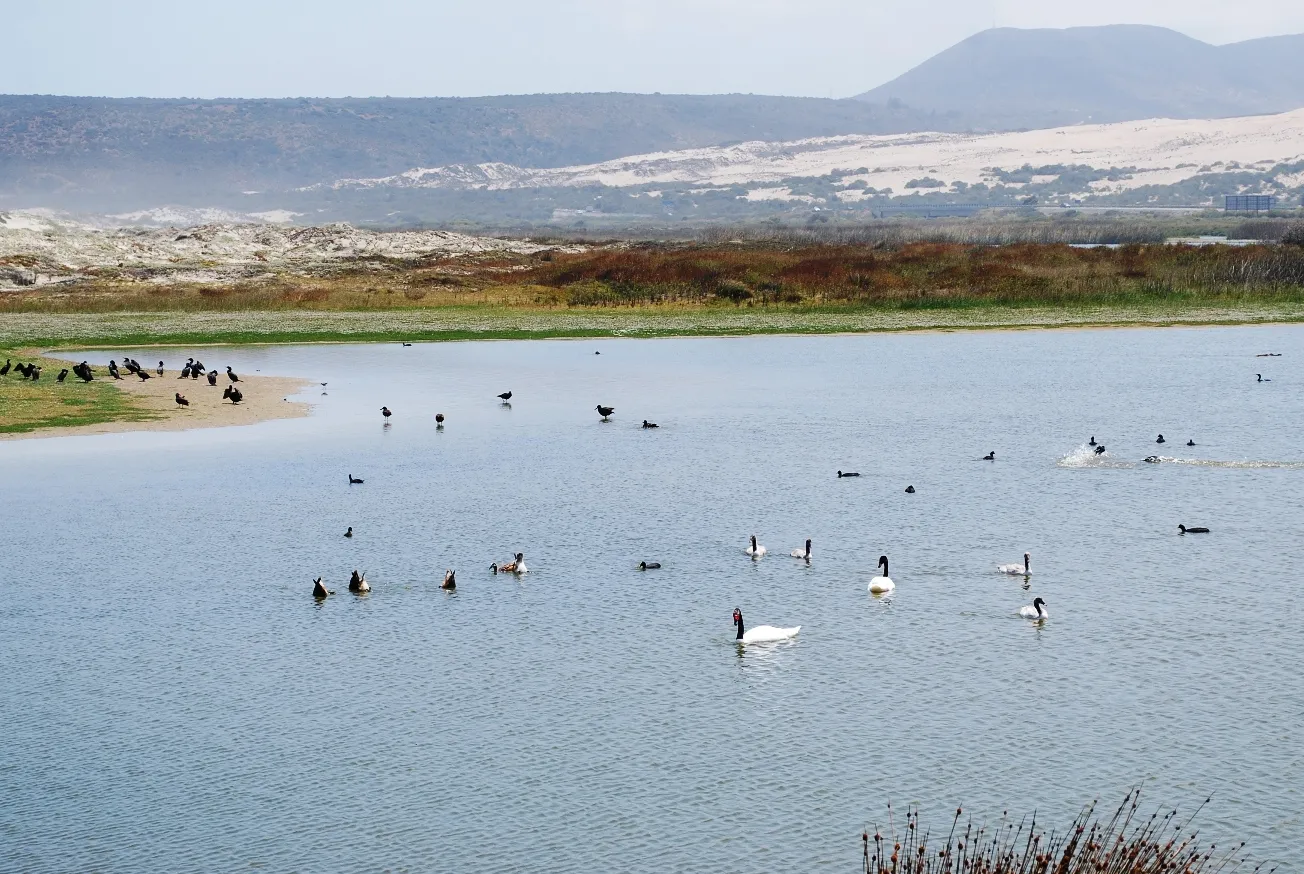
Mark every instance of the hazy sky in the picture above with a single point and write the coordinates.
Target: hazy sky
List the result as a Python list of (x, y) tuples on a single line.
[(278, 48)]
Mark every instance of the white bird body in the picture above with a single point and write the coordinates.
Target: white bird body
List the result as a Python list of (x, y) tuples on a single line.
[(1035, 612), (1018, 570), (803, 554), (769, 634), (883, 584), (754, 549)]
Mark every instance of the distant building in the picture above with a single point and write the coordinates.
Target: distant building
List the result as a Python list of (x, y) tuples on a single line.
[(1249, 203)]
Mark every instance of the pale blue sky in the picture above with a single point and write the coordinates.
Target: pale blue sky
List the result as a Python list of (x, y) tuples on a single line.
[(278, 48)]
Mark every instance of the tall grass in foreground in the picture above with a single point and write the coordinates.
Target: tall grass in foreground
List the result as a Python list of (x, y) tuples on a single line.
[(1125, 843)]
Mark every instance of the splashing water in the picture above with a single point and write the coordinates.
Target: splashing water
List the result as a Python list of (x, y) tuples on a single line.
[(1085, 456)]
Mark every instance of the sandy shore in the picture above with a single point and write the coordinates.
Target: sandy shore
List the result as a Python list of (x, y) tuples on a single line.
[(264, 400)]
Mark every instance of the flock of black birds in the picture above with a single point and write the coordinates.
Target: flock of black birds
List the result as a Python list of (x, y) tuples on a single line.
[(193, 369)]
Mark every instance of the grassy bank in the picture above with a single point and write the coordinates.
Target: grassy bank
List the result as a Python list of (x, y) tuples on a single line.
[(27, 405)]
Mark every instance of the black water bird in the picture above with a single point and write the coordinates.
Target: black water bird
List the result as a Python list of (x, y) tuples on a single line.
[(910, 490), (84, 371), (1151, 459), (1092, 441), (349, 533), (143, 374), (1268, 355), (450, 578), (185, 372), (212, 377), (233, 394), (1261, 379), (1160, 439), (407, 344), (230, 374), (63, 374), (159, 371), (182, 402), (385, 411), (113, 369), (198, 366), (604, 411), (319, 591), (439, 420), (848, 473), (34, 371), (354, 481), (649, 565), (1182, 529), (1190, 442), (4, 370), (991, 456), (647, 424), (1100, 450), (506, 396)]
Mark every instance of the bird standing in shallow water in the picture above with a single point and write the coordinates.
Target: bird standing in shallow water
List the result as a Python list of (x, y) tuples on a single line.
[(605, 412), (385, 411), (439, 420), (505, 396)]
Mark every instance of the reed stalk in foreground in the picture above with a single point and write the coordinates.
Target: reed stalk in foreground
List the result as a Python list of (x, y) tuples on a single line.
[(1125, 843)]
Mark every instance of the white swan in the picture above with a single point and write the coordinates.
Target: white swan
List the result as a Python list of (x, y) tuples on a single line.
[(754, 550), (761, 633), (1036, 612), (802, 553), (882, 585), (1018, 570)]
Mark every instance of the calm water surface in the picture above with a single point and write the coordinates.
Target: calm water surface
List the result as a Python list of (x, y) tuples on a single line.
[(174, 700)]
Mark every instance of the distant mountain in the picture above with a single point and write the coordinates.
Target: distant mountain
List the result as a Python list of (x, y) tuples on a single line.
[(128, 154), (1006, 78)]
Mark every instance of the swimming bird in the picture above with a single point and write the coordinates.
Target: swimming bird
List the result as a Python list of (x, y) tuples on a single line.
[(159, 371), (63, 374), (1190, 442), (318, 590), (1182, 529), (849, 473), (182, 402), (604, 411), (647, 424), (991, 456), (516, 566), (407, 344), (450, 578), (753, 549), (349, 533), (1100, 450), (1151, 459), (212, 377), (649, 565), (1161, 439), (506, 396), (230, 374), (802, 554), (1092, 441), (113, 369), (358, 583), (1036, 612), (1017, 569), (910, 490), (883, 584), (354, 481), (233, 394), (384, 411), (1268, 355), (1262, 378), (439, 420), (761, 633)]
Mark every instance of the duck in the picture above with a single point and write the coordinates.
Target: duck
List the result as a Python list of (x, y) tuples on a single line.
[(1261, 379), (230, 374), (761, 633), (1018, 570), (450, 581), (319, 591), (1036, 612), (1092, 441), (517, 566), (181, 401), (802, 554), (604, 411), (385, 411), (1160, 439), (647, 424), (991, 456), (505, 396), (349, 533), (910, 490), (753, 549), (649, 565), (882, 585), (1190, 442), (1100, 450), (358, 583), (354, 481), (1182, 529), (842, 475)]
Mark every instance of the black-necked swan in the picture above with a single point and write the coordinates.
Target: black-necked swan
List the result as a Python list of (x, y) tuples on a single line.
[(1017, 569), (318, 590), (882, 585), (1182, 529), (761, 633), (754, 549), (802, 553), (358, 583), (1037, 611), (649, 565), (450, 581)]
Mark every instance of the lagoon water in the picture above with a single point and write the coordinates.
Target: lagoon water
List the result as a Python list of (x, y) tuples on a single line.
[(174, 700)]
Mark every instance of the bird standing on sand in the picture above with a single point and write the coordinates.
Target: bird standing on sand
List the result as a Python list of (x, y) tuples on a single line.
[(143, 374), (605, 412), (113, 369), (160, 369), (506, 396), (230, 374), (233, 394), (182, 402), (212, 377), (385, 411)]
